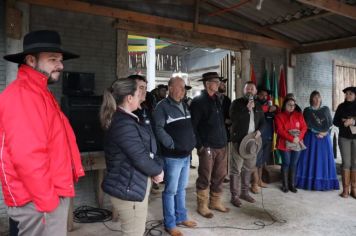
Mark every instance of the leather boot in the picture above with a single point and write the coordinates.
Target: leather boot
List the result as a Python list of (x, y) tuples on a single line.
[(345, 183), (215, 202), (292, 187), (260, 182), (202, 200), (285, 181), (254, 182), (245, 182), (235, 187), (353, 183)]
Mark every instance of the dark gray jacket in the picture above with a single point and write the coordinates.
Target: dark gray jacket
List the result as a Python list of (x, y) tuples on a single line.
[(173, 128), (130, 158)]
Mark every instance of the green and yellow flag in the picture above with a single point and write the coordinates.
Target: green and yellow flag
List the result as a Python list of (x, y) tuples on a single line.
[(275, 87)]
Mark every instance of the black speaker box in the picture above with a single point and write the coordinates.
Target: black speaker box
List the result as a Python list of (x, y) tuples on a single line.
[(83, 115)]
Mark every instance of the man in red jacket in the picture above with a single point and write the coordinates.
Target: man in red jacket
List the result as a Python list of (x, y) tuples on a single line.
[(39, 156)]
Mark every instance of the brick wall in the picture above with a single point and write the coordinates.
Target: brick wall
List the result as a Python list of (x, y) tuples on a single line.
[(92, 37), (314, 71)]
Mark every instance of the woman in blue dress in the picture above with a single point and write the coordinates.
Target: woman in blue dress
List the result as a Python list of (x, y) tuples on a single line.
[(316, 167)]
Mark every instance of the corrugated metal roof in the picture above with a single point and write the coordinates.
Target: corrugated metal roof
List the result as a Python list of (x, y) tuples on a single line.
[(291, 19)]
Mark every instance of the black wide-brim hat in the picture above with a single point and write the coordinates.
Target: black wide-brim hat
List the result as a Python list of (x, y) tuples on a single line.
[(162, 86), (351, 88), (210, 75), (40, 41), (187, 87)]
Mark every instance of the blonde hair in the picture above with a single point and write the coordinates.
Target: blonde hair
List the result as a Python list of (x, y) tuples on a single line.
[(115, 96)]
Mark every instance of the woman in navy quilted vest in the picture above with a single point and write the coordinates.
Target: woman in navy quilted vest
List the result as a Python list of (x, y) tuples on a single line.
[(130, 153)]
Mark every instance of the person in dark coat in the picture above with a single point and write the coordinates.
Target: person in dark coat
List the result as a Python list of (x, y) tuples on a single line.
[(225, 105), (175, 133), (130, 154), (247, 118), (211, 139), (264, 154), (344, 119)]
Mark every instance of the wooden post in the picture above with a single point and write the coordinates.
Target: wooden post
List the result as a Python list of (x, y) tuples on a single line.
[(122, 63), (70, 226)]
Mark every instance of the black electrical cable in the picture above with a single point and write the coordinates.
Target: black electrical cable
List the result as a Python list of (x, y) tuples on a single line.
[(152, 228), (88, 214)]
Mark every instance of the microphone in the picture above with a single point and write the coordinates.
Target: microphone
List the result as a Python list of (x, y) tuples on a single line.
[(251, 98)]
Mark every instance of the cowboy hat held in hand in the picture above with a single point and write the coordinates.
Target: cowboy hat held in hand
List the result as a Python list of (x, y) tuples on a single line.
[(250, 146)]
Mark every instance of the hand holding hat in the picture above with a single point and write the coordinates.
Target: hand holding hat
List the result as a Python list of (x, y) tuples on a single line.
[(250, 145)]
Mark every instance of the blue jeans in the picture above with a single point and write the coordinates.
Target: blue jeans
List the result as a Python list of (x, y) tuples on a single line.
[(289, 160), (176, 176)]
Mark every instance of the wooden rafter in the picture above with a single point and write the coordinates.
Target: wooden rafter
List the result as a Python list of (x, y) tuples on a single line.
[(241, 20), (334, 6), (326, 46), (160, 32), (78, 6)]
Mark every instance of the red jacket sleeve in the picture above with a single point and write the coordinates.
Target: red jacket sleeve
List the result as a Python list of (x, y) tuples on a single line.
[(281, 130), (26, 134)]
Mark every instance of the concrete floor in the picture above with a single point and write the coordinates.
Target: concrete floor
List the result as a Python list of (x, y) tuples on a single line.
[(304, 213)]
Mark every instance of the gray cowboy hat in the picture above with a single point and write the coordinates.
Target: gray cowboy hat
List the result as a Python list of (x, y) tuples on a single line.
[(250, 146), (40, 41)]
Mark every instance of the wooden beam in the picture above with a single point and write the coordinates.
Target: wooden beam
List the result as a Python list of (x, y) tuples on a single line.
[(196, 18), (241, 20), (244, 37), (327, 45), (197, 38), (166, 2), (78, 6), (334, 6)]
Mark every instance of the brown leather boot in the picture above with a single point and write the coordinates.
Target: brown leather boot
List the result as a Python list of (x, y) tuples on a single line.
[(174, 232), (245, 182), (345, 183), (189, 223), (260, 182), (216, 204), (203, 200), (254, 182), (353, 183), (235, 187)]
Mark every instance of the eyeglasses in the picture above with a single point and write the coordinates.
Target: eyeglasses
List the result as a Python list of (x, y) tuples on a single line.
[(291, 105)]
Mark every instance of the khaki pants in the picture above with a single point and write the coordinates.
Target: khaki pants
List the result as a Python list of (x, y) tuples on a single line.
[(348, 153), (35, 223), (237, 162), (132, 215)]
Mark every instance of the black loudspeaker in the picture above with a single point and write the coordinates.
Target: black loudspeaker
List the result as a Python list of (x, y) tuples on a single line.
[(83, 115), (78, 83)]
